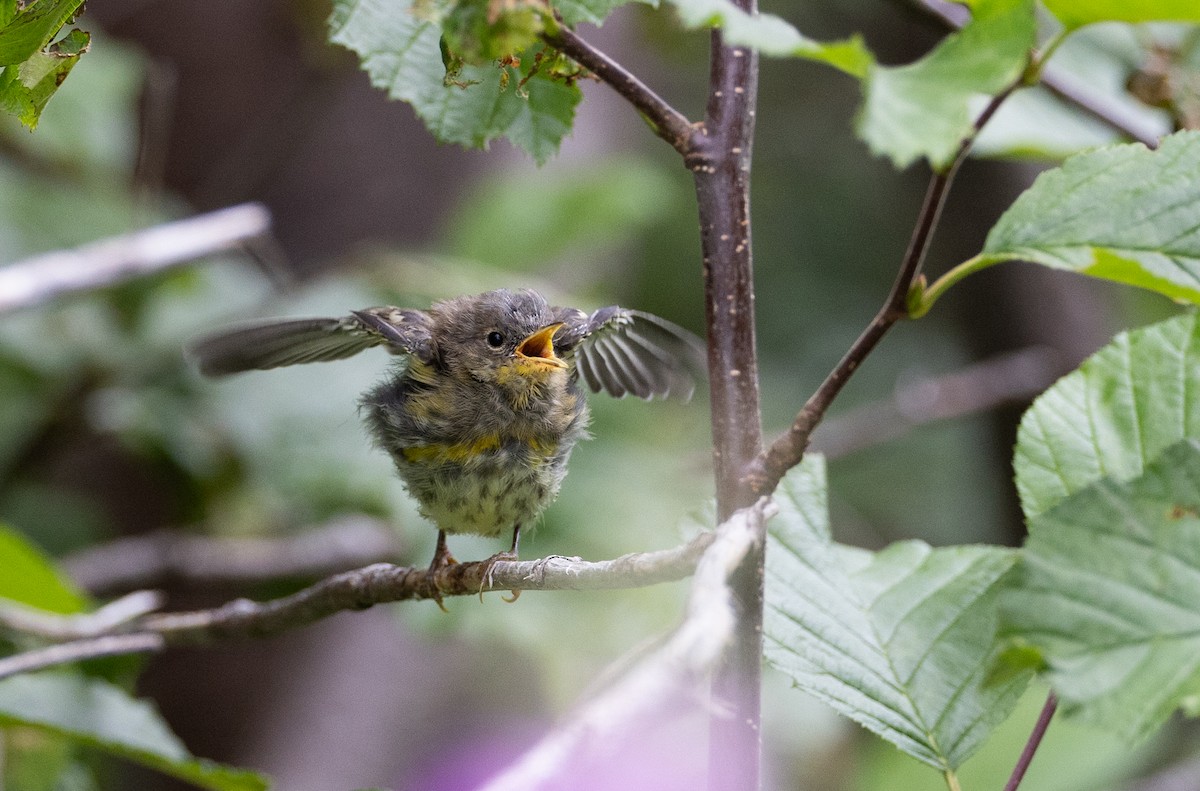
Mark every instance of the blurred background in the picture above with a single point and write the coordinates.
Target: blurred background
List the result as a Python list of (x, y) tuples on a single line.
[(107, 435)]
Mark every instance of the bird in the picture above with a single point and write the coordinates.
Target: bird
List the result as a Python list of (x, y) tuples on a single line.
[(482, 410)]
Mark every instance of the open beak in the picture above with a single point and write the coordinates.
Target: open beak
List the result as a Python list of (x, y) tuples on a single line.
[(540, 347)]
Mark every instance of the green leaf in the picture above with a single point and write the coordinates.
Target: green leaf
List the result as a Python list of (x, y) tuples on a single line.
[(543, 118), (103, 716), (1123, 213), (470, 105), (1109, 591), (771, 35), (26, 88), (1076, 13), (29, 577), (924, 109), (33, 27), (1124, 405), (900, 640)]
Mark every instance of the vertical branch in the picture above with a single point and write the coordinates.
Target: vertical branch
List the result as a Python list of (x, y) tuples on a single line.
[(717, 152), (720, 162)]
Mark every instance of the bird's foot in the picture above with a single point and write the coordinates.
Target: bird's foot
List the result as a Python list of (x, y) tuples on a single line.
[(489, 570), (441, 559)]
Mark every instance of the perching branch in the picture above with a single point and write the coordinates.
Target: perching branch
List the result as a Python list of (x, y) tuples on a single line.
[(172, 555), (765, 472), (383, 582), (109, 261), (667, 122), (357, 590), (677, 668)]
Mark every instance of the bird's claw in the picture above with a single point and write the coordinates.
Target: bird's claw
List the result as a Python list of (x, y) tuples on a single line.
[(489, 571), (441, 559)]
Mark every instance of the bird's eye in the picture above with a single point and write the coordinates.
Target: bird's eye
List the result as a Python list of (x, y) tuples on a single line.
[(495, 339)]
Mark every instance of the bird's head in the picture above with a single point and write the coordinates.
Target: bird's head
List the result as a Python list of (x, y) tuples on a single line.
[(505, 338)]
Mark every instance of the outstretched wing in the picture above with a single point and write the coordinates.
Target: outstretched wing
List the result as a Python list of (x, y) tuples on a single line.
[(622, 351), (277, 342)]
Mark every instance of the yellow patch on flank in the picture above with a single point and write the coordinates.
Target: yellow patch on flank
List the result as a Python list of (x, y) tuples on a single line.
[(430, 404), (543, 447), (457, 453)]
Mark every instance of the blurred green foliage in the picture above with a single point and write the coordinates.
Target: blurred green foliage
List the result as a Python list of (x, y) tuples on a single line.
[(56, 709), (104, 429)]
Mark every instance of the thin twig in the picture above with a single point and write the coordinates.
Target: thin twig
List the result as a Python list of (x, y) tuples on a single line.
[(91, 648), (1097, 105), (1011, 378), (764, 473), (109, 261), (52, 626), (667, 122), (1061, 84), (1031, 745), (675, 669), (175, 556)]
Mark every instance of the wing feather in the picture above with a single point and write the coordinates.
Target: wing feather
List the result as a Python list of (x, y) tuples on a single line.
[(623, 351), (633, 372), (610, 380), (273, 343), (584, 367)]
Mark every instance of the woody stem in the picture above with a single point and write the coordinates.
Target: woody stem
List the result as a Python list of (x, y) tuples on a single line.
[(720, 163), (717, 152)]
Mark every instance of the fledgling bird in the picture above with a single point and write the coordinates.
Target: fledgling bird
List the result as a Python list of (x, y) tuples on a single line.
[(481, 414)]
